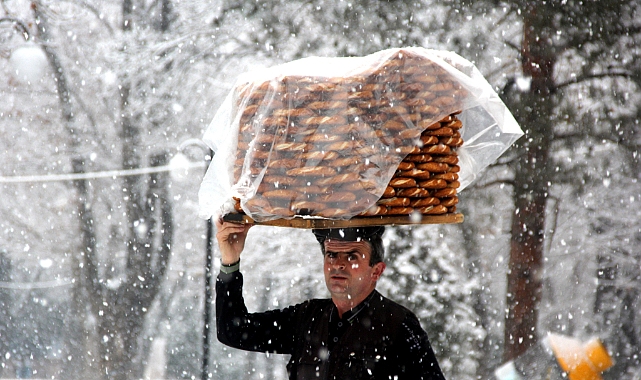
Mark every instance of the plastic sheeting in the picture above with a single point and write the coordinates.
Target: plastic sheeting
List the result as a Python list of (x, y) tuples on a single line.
[(322, 137)]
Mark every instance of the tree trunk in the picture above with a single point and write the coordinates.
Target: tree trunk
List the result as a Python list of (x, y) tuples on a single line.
[(80, 342), (530, 186), (88, 292), (149, 243), (149, 229), (62, 89)]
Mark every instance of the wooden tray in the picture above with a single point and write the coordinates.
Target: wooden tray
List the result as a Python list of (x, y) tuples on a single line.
[(300, 222)]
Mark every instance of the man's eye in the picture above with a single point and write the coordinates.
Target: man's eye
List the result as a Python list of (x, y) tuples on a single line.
[(352, 257)]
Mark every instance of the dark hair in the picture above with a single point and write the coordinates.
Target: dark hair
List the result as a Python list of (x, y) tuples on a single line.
[(372, 235), (378, 251)]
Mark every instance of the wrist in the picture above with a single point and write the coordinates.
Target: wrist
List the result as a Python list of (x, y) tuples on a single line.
[(231, 267), (229, 260)]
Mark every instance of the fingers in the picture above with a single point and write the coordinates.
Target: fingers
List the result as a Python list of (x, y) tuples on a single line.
[(231, 231), (221, 224), (231, 240)]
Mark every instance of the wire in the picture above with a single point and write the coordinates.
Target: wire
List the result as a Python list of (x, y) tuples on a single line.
[(103, 174), (34, 285)]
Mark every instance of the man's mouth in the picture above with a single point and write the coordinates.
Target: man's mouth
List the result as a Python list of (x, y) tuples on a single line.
[(337, 276)]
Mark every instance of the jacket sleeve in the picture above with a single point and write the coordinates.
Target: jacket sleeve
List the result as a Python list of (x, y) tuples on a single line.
[(271, 331), (417, 359)]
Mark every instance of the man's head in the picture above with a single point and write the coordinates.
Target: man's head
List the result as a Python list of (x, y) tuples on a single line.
[(352, 262), (371, 235)]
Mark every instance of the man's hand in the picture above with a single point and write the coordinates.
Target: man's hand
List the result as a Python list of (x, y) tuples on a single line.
[(231, 240)]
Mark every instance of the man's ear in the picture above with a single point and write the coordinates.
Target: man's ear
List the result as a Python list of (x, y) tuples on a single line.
[(378, 270)]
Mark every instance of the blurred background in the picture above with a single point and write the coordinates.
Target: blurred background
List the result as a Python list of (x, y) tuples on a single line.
[(103, 255)]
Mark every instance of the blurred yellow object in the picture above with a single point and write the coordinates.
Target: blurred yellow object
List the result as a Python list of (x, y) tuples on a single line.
[(581, 361)]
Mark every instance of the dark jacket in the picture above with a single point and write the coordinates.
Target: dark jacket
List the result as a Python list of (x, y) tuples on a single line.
[(378, 339)]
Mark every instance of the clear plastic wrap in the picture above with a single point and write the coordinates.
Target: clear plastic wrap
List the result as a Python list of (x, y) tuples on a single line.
[(323, 137)]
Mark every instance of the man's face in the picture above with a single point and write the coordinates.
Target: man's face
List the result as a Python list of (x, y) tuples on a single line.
[(348, 274)]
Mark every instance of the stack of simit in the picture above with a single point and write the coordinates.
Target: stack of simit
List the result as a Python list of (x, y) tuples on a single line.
[(328, 146)]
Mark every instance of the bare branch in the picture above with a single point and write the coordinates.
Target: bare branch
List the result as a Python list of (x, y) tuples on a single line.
[(590, 77), (18, 25), (84, 107), (554, 222), (96, 13), (512, 45), (504, 161), (568, 136), (233, 7), (499, 70), (497, 182)]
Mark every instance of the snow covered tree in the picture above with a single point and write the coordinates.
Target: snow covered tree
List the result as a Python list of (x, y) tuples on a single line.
[(425, 272), (119, 311), (617, 305), (563, 49)]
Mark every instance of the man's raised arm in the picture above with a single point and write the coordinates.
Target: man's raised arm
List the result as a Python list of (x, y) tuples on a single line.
[(271, 331)]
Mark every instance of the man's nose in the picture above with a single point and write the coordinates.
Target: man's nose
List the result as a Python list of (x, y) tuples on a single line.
[(340, 261)]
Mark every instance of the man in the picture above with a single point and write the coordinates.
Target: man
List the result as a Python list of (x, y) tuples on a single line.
[(357, 334)]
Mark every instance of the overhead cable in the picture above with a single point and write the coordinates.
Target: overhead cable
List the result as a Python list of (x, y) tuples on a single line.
[(102, 174)]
